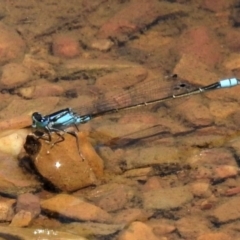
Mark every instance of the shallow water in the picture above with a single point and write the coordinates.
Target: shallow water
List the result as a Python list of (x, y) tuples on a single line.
[(169, 170)]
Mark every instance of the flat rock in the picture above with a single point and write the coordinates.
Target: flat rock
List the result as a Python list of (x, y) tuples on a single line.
[(93, 229), (226, 212), (165, 199), (75, 208)]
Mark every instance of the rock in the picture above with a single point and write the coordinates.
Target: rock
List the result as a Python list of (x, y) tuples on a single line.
[(6, 210), (43, 90), (12, 46), (14, 75), (22, 219), (201, 189), (137, 231), (77, 65), (191, 227), (226, 212), (65, 46), (29, 203), (101, 44), (135, 16), (11, 142), (200, 73), (20, 107), (214, 236), (213, 6), (166, 199), (111, 197), (126, 216), (39, 67), (153, 183), (75, 208), (13, 181), (225, 171), (62, 165), (202, 44), (97, 230), (161, 226), (139, 173)]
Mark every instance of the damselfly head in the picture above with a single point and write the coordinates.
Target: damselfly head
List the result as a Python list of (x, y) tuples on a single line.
[(37, 120)]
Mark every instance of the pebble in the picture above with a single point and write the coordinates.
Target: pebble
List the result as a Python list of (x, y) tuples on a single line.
[(12, 141), (200, 73), (111, 197), (65, 46), (13, 181), (213, 6), (22, 219), (137, 231), (12, 46), (6, 209), (75, 208), (32, 92), (214, 236), (201, 43), (135, 16), (126, 216), (101, 44), (14, 75), (166, 199), (161, 226), (98, 230), (62, 165), (201, 189), (28, 202), (226, 212), (191, 227), (39, 67), (225, 171)]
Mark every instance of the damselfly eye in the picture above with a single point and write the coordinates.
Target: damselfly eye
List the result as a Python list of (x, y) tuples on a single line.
[(37, 116)]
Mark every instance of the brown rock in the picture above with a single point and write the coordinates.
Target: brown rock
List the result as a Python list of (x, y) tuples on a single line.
[(153, 183), (165, 199), (43, 90), (135, 16), (201, 189), (225, 171), (6, 210), (215, 236), (65, 46), (62, 165), (111, 197), (202, 45), (102, 44), (214, 6), (12, 46), (29, 203), (226, 212), (137, 231), (192, 226), (14, 75), (127, 216), (13, 181), (22, 219), (75, 208)]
